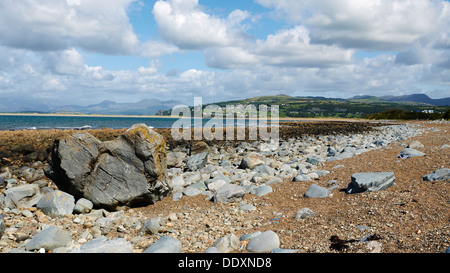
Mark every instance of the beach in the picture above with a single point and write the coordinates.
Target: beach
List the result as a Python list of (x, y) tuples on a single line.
[(410, 216)]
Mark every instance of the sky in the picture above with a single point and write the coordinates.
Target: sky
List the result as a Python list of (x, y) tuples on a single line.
[(83, 52)]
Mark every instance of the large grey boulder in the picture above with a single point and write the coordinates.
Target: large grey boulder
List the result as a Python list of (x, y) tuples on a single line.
[(198, 156), (130, 170), (23, 196), (368, 182), (49, 239), (438, 175)]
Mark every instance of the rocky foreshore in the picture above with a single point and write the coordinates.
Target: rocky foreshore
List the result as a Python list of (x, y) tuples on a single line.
[(377, 189)]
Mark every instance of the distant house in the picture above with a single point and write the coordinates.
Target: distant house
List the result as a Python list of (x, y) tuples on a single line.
[(428, 111)]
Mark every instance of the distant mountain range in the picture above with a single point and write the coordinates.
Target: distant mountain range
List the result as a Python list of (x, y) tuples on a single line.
[(143, 107), (417, 98)]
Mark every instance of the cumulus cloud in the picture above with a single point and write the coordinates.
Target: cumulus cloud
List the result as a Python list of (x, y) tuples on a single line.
[(186, 25), (94, 25), (373, 25)]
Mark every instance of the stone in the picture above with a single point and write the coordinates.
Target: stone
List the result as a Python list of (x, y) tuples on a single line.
[(227, 243), (30, 174), (303, 213), (49, 239), (216, 185), (229, 193), (251, 161), (369, 182), (56, 203), (212, 250), (130, 170), (408, 152), (316, 191), (265, 242), (196, 162), (103, 245), (83, 206), (438, 175), (262, 190), (165, 244), (153, 225), (107, 224), (175, 159), (22, 196), (415, 144), (2, 227), (313, 160), (301, 177)]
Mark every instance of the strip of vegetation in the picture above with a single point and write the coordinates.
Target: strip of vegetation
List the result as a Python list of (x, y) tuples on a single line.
[(409, 115)]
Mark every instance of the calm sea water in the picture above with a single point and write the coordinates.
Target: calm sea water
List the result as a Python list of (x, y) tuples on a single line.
[(20, 122)]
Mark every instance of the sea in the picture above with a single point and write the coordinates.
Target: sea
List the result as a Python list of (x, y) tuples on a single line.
[(42, 122)]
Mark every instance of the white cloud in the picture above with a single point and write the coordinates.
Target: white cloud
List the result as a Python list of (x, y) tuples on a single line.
[(183, 23), (94, 25), (374, 25)]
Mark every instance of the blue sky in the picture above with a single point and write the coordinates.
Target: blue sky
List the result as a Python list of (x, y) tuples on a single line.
[(84, 52)]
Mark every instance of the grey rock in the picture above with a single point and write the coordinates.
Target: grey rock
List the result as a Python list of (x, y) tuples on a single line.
[(438, 175), (408, 152), (316, 191), (414, 145), (56, 203), (153, 225), (249, 236), (368, 182), (107, 224), (251, 161), (216, 185), (130, 170), (103, 245), (262, 190), (2, 227), (264, 242), (229, 194), (264, 169), (175, 159), (165, 244), (177, 196), (303, 213), (22, 196), (313, 160), (227, 243), (197, 161), (301, 177), (30, 174), (49, 239), (274, 180), (212, 249), (83, 206), (192, 191)]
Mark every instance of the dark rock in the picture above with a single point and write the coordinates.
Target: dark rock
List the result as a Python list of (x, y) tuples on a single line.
[(130, 170)]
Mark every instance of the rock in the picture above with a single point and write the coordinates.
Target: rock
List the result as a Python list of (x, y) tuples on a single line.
[(262, 190), (251, 161), (249, 236), (130, 170), (313, 160), (212, 250), (22, 196), (2, 227), (227, 243), (107, 224), (438, 175), (301, 177), (56, 203), (414, 145), (165, 244), (216, 185), (103, 245), (408, 152), (30, 174), (153, 225), (274, 180), (315, 191), (83, 206), (175, 159), (197, 161), (303, 213), (49, 239), (368, 182), (264, 242), (229, 193)]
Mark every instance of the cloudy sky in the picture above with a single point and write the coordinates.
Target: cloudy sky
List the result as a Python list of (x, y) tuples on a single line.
[(87, 51)]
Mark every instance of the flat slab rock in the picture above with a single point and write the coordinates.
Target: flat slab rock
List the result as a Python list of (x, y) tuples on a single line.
[(368, 182)]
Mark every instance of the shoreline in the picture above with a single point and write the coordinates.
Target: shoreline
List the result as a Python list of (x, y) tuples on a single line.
[(156, 116)]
